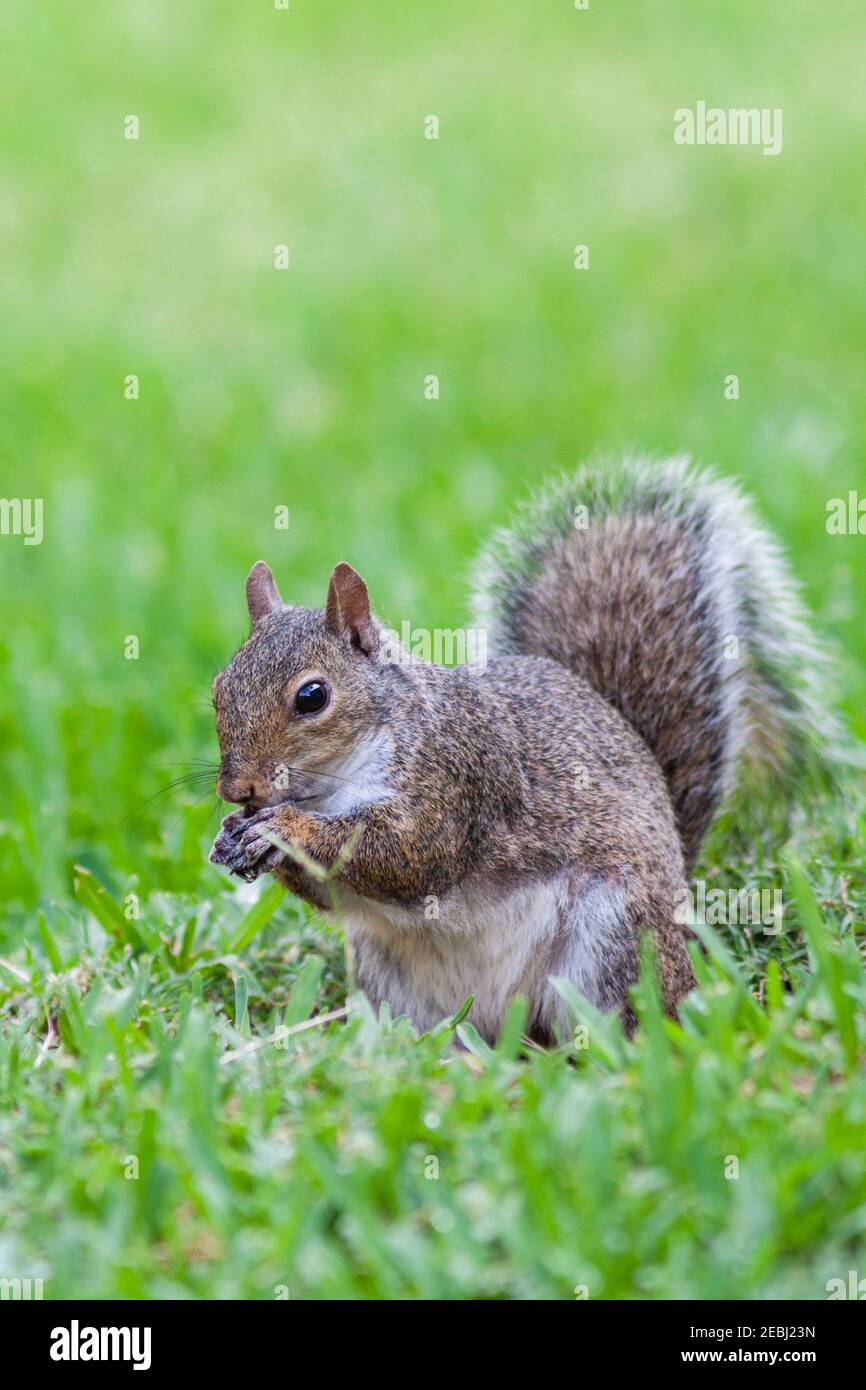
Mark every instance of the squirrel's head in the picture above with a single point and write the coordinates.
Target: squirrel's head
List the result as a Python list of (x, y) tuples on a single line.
[(299, 710)]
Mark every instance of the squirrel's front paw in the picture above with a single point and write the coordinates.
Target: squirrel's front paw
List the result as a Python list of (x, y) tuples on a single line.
[(241, 847)]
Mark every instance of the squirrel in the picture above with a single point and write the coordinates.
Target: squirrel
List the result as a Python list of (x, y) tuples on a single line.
[(482, 829)]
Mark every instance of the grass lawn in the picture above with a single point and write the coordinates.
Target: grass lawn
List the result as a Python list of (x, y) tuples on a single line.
[(153, 1142)]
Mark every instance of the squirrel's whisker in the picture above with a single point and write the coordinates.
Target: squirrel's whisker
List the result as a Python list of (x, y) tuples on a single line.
[(322, 776), (195, 781)]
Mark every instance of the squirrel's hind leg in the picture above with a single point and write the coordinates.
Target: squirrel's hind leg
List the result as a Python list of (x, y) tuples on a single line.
[(599, 946)]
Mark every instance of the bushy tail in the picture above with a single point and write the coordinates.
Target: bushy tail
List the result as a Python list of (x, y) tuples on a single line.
[(656, 582)]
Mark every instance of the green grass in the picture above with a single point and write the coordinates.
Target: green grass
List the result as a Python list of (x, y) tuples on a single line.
[(306, 1165)]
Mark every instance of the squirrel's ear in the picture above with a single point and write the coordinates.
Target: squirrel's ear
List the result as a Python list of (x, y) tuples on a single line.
[(262, 594), (347, 612)]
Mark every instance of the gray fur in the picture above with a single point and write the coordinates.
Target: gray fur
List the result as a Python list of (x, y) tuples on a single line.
[(488, 829), (644, 604)]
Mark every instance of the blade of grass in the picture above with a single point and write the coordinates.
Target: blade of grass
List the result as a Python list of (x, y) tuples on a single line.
[(257, 917)]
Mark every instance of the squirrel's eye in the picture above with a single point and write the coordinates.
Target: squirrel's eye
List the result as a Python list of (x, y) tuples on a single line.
[(311, 697)]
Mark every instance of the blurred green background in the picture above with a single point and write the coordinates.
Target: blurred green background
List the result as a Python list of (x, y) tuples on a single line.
[(304, 388), (409, 256)]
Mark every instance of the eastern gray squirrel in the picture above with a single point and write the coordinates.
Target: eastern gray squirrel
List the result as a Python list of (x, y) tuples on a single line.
[(488, 827)]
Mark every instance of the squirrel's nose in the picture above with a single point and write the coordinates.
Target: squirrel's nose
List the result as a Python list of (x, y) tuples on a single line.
[(235, 789)]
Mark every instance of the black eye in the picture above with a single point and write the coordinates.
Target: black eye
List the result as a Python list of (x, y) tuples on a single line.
[(311, 697)]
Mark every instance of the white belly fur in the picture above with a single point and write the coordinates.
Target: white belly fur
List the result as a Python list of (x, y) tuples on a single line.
[(490, 943)]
